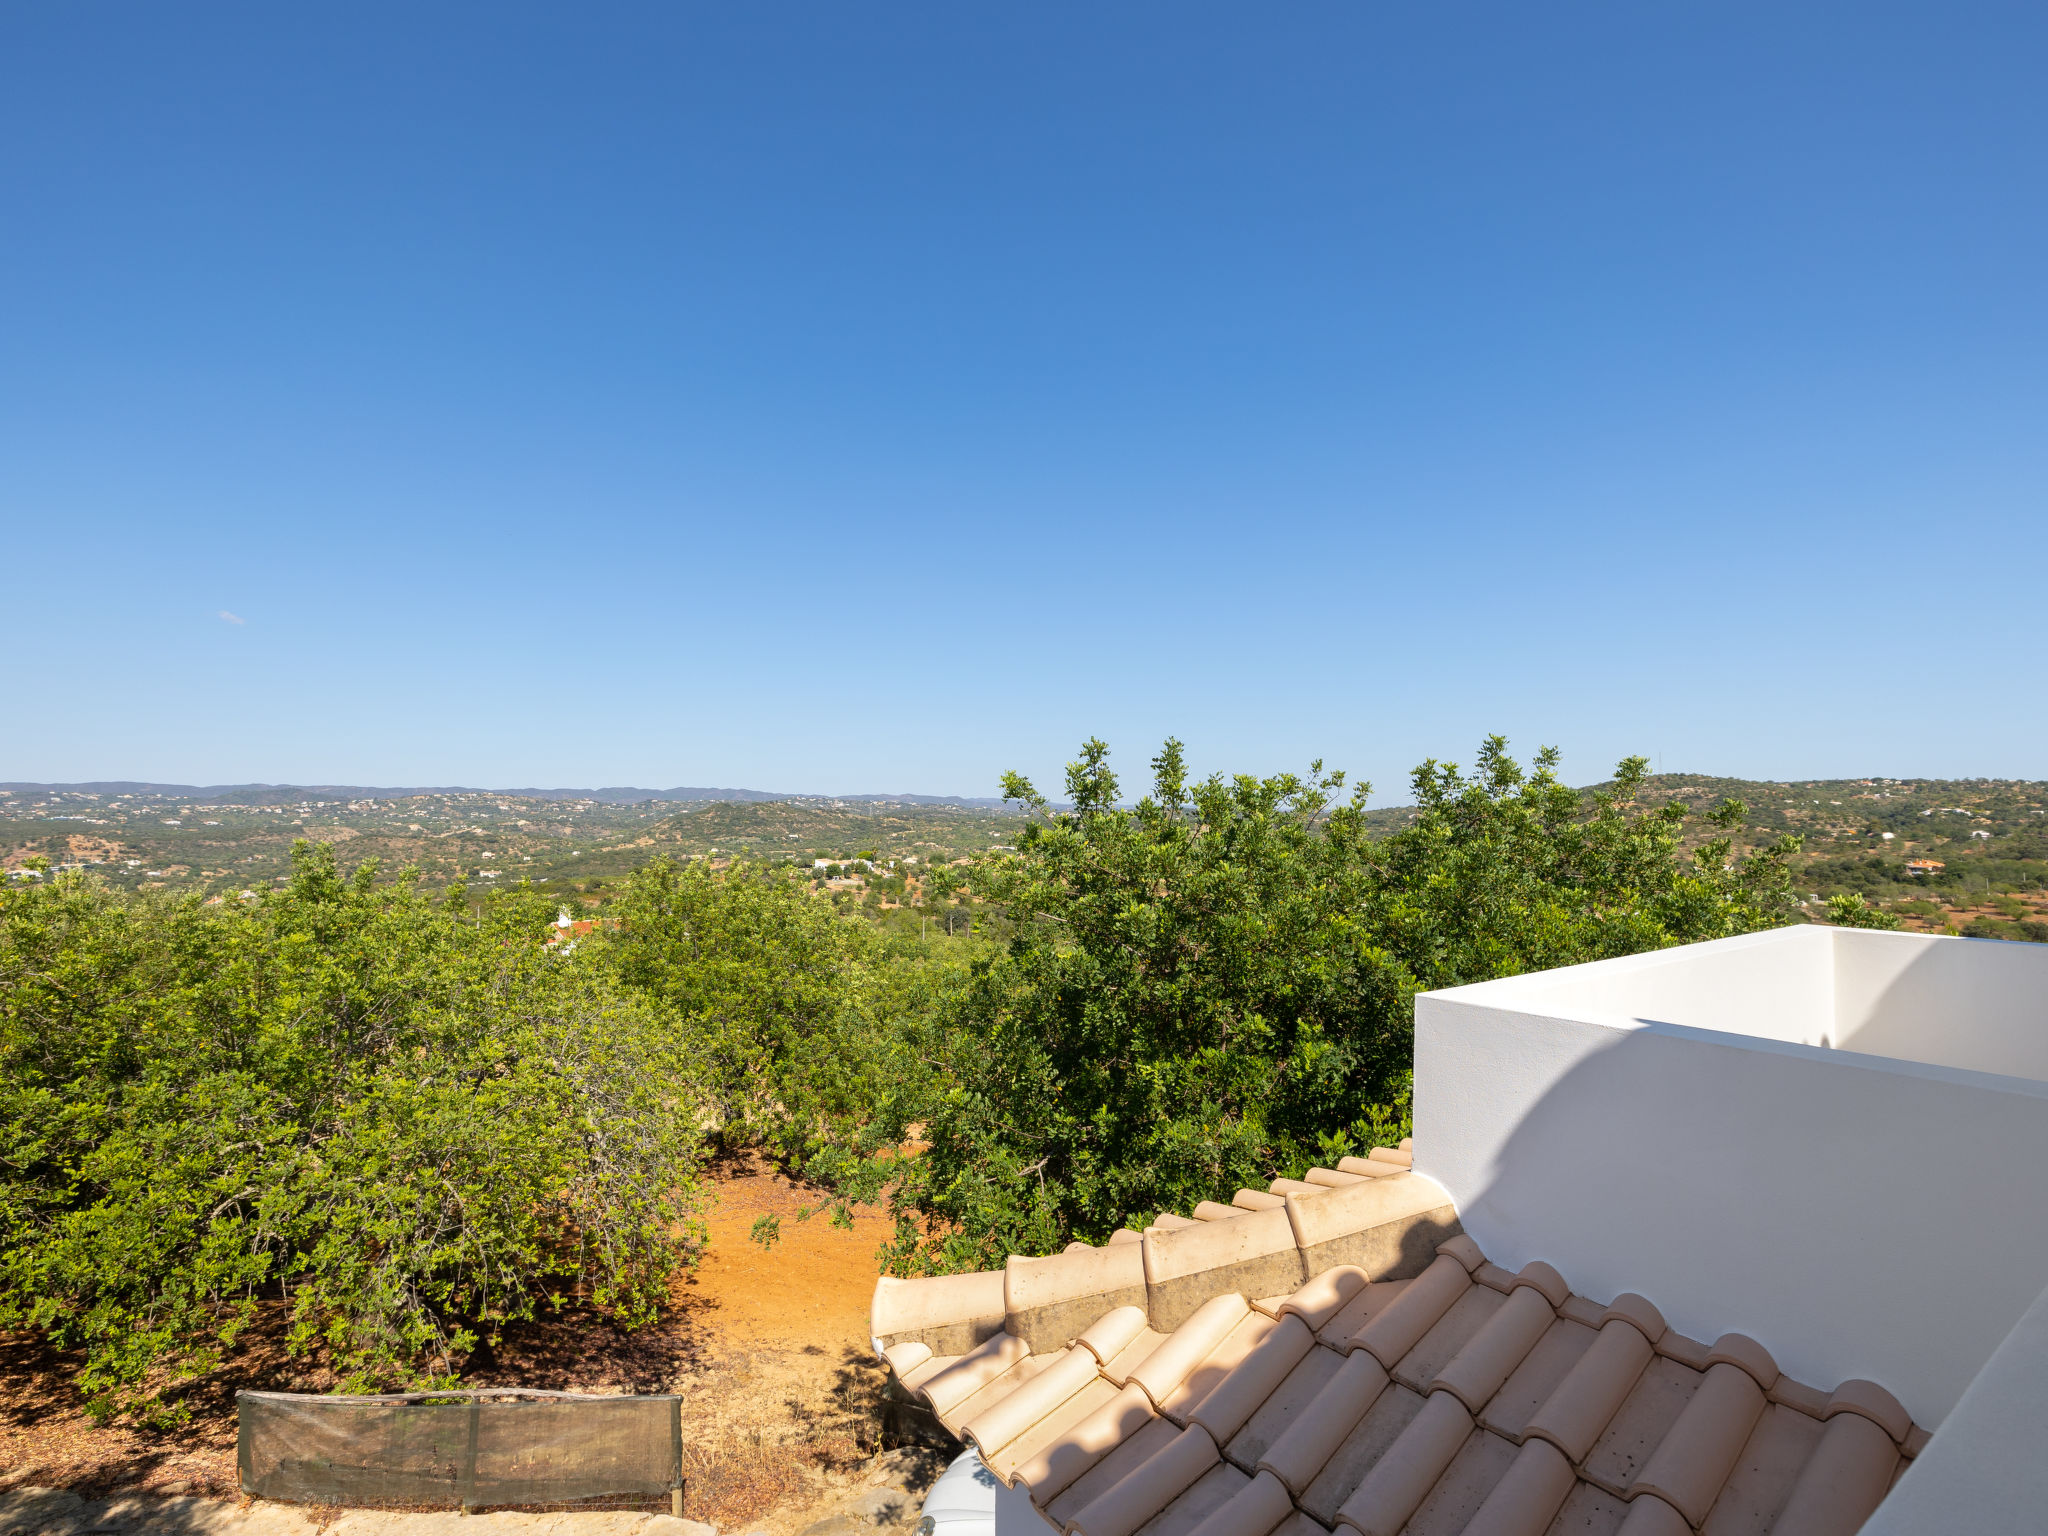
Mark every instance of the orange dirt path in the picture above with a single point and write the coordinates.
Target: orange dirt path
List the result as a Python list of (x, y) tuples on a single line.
[(811, 1288)]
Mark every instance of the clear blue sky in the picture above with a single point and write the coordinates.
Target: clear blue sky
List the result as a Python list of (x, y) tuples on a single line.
[(849, 398)]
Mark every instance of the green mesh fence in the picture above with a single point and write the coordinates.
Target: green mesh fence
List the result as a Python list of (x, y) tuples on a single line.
[(461, 1450)]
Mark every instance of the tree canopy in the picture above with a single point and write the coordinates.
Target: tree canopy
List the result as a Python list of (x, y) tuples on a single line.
[(1216, 983)]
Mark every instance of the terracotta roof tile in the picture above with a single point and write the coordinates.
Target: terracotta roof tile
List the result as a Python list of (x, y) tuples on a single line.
[(1167, 1222), (1590, 1510), (1584, 1404), (1464, 1250), (1850, 1473), (1808, 1400), (1286, 1405), (1026, 1451), (1465, 1485), (968, 1374), (1416, 1389), (1697, 1453), (1185, 1348), (1687, 1352), (1367, 1168), (1256, 1509), (1257, 1200), (1628, 1305), (1017, 1411), (905, 1358), (1466, 1319), (1073, 1453), (1528, 1494), (1108, 1470), (1639, 1425), (1299, 1455), (1740, 1350), (1255, 1377), (1147, 1488), (1358, 1311), (1336, 1178), (1299, 1524), (1546, 1365), (1651, 1516), (1874, 1403), (1112, 1333), (1412, 1314), (1580, 1310), (1401, 1158), (1124, 1235), (1323, 1297), (1359, 1452), (1763, 1475), (1119, 1366), (1402, 1478), (1221, 1363), (1210, 1492), (972, 1407), (1482, 1367)]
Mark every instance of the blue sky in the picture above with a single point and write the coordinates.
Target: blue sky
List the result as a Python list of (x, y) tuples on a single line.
[(875, 398)]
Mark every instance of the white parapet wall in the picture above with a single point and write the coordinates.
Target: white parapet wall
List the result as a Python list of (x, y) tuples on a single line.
[(1834, 1141)]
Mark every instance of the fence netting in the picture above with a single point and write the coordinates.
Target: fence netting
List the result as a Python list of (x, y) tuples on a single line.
[(461, 1450)]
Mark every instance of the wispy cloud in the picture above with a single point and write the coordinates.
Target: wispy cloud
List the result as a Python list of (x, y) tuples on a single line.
[(229, 618)]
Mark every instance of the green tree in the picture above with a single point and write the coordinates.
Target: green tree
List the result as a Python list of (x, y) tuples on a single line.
[(1216, 984)]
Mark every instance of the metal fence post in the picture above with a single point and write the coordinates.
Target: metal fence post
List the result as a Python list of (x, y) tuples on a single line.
[(469, 1461), (675, 1435)]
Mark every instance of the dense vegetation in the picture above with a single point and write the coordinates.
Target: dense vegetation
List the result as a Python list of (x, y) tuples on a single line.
[(407, 1122), (1216, 984)]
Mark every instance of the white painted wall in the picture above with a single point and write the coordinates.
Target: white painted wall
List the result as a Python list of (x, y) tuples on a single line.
[(1984, 1471), (1858, 1215), (1973, 1003)]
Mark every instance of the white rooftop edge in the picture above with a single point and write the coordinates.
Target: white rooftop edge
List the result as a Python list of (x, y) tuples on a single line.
[(1829, 1139)]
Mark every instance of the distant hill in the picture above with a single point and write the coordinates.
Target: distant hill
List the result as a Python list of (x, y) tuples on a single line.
[(293, 794)]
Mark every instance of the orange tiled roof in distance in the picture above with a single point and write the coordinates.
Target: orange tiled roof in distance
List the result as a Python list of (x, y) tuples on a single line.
[(1395, 1384)]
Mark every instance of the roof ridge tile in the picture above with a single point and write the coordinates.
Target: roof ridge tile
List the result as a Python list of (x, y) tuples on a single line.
[(1367, 1168)]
